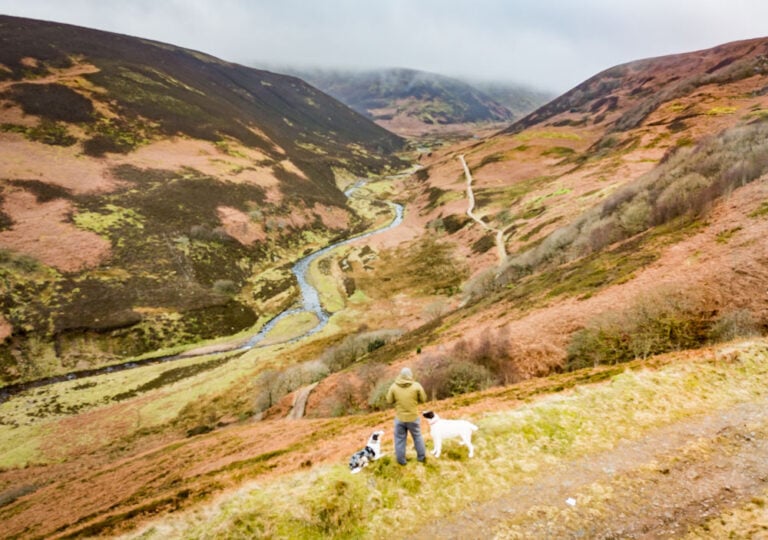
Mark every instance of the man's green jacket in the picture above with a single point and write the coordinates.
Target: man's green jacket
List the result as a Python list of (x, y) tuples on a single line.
[(406, 394)]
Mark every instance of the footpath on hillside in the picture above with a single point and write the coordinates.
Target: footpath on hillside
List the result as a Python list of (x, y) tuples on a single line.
[(501, 250), (672, 480)]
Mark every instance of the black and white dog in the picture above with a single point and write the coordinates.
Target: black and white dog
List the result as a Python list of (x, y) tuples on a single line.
[(371, 452), (448, 429)]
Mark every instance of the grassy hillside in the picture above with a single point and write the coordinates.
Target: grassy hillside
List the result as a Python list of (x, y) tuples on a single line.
[(145, 188), (531, 460), (605, 437)]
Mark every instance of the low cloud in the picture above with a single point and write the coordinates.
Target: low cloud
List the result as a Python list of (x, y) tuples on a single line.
[(550, 44)]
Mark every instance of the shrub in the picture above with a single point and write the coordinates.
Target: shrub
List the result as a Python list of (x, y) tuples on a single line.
[(662, 321), (634, 216), (735, 324), (483, 244), (272, 385), (446, 378), (435, 310), (676, 199), (602, 233), (480, 285), (377, 343), (344, 399), (354, 347), (377, 400), (453, 222)]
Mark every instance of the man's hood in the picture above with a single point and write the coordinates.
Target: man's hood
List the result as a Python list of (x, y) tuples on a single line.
[(404, 380)]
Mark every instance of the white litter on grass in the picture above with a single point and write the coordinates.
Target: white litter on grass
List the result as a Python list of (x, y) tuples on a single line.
[(570, 501)]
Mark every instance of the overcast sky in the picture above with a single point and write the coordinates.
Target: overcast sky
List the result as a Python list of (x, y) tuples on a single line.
[(547, 44)]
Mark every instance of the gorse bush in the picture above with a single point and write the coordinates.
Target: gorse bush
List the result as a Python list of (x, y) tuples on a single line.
[(445, 377), (661, 321)]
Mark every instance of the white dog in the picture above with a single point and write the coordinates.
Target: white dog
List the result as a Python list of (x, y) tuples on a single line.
[(448, 429), (371, 452)]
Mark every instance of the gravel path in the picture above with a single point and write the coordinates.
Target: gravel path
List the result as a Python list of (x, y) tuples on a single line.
[(501, 249), (656, 487)]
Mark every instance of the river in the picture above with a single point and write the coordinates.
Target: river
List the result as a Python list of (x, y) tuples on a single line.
[(310, 302), (310, 297)]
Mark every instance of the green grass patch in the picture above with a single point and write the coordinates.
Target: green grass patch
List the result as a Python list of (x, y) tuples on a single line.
[(328, 502), (558, 151), (291, 327), (426, 267), (529, 135), (320, 276), (46, 132), (760, 211), (720, 111), (723, 237), (113, 218), (509, 195), (759, 114), (32, 421), (20, 445)]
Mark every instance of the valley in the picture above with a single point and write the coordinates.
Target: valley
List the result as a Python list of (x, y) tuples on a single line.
[(586, 284)]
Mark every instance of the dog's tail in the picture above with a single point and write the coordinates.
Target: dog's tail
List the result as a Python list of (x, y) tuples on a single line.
[(474, 427)]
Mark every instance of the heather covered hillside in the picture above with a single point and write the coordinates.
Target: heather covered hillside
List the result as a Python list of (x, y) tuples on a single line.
[(145, 187)]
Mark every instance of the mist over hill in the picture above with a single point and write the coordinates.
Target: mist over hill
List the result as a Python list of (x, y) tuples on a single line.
[(518, 99), (404, 99)]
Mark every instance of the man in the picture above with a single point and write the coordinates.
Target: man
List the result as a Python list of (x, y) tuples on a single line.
[(406, 394)]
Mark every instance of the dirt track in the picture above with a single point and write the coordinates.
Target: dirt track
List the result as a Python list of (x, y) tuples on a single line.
[(658, 487)]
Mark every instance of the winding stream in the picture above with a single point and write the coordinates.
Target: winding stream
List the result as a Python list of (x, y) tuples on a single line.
[(310, 297), (310, 302)]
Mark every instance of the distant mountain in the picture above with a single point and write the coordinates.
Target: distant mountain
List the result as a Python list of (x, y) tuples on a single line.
[(519, 99), (142, 186), (408, 101)]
